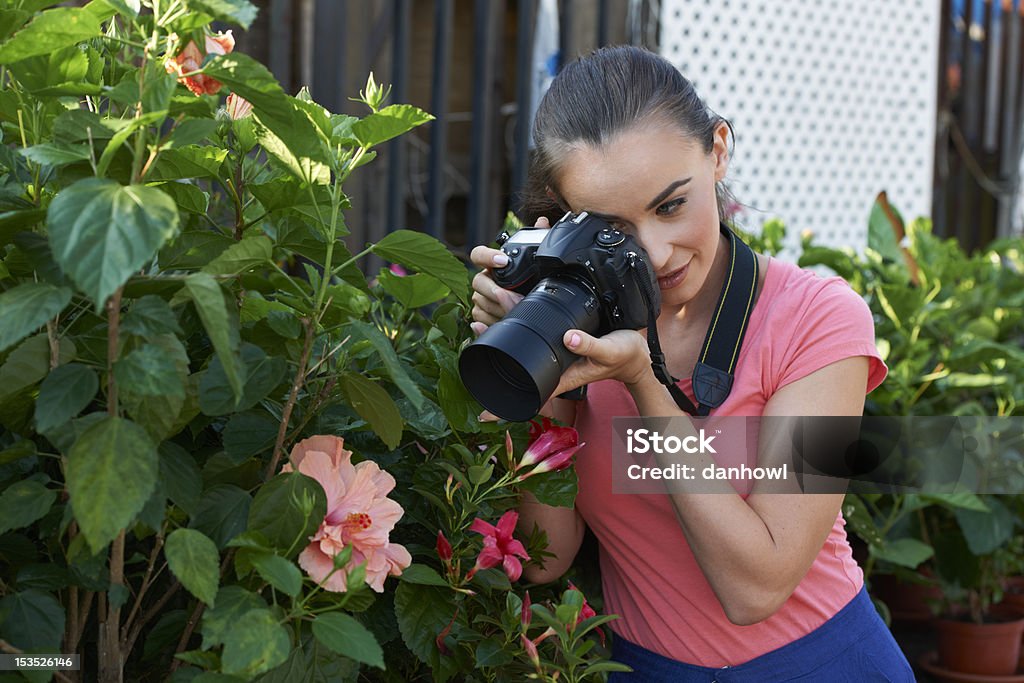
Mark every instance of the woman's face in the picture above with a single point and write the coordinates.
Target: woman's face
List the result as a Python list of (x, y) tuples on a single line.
[(659, 186)]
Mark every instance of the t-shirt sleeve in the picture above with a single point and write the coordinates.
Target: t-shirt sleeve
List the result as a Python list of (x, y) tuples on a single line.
[(835, 323)]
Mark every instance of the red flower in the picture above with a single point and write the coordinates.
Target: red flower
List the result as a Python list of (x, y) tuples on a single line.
[(531, 651), (586, 611), (551, 448), (499, 546), (526, 615), (444, 548)]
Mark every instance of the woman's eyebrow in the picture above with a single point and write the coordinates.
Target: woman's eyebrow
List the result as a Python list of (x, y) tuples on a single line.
[(667, 191)]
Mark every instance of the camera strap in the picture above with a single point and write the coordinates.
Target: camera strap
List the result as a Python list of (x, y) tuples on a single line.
[(713, 374)]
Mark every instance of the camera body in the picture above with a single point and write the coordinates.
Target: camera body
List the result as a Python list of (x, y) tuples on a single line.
[(587, 250), (580, 274)]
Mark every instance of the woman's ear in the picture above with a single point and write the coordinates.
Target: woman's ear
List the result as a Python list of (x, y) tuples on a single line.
[(720, 151)]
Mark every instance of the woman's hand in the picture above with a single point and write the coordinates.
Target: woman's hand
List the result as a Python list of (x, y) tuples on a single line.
[(622, 355), (491, 303)]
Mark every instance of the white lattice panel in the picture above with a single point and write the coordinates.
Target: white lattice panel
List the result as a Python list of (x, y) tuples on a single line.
[(831, 103)]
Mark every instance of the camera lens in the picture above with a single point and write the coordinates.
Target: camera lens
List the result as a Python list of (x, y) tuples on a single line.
[(513, 368)]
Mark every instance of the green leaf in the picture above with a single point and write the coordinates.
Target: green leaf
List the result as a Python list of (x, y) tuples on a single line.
[(249, 433), (102, 232), (882, 226), (986, 531), (422, 612), (262, 374), (11, 20), (149, 371), (23, 503), (27, 307), (240, 12), (277, 511), (65, 392), (180, 478), (188, 163), (50, 154), (386, 352), (252, 251), (254, 644), (32, 620), (284, 130), (412, 291), (554, 488), (50, 31), (221, 323), (346, 636), (12, 222), (30, 362), (422, 574), (278, 572), (187, 196), (905, 552), (375, 406), (232, 603), (111, 472), (221, 513), (191, 132), (149, 317), (422, 252), (61, 72), (388, 123), (194, 559), (491, 652)]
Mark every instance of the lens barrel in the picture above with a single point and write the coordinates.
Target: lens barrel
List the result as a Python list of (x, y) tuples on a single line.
[(515, 365)]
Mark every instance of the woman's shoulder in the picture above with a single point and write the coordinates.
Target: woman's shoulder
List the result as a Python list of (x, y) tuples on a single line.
[(792, 293)]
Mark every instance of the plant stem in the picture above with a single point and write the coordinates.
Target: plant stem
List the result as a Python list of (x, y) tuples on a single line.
[(143, 588), (300, 375), (113, 328)]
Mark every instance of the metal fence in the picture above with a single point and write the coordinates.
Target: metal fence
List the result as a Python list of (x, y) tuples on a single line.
[(980, 119), (469, 62)]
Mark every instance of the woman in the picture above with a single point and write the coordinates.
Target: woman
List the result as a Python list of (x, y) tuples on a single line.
[(759, 586)]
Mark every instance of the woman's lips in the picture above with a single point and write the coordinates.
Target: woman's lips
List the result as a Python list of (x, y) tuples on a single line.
[(673, 279)]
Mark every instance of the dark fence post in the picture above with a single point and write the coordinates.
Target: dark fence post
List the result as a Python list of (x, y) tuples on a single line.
[(524, 91), (436, 198), (479, 230), (399, 93)]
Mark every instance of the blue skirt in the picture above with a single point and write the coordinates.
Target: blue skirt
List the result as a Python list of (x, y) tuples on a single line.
[(854, 646)]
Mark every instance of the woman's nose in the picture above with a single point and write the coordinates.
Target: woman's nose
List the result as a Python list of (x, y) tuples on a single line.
[(658, 250)]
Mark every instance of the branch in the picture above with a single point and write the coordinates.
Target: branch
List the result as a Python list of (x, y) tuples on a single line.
[(300, 375), (143, 588)]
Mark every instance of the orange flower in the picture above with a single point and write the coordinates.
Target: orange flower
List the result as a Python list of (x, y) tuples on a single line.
[(191, 59), (359, 514)]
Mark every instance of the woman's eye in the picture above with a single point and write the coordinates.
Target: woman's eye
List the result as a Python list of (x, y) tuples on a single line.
[(668, 207)]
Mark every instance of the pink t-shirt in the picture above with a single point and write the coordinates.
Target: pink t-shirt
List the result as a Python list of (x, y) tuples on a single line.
[(800, 324)]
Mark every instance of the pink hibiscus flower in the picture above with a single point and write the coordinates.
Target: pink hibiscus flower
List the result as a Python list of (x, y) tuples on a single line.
[(499, 546), (359, 514)]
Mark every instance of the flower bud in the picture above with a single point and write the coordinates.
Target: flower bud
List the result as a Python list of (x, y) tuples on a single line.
[(444, 548)]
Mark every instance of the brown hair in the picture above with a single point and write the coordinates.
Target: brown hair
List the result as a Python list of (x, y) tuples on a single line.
[(605, 93)]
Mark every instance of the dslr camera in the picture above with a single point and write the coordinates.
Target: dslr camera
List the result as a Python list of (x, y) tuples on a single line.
[(580, 274)]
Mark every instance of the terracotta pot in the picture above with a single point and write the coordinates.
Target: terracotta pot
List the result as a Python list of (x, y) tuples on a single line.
[(1014, 598), (991, 649)]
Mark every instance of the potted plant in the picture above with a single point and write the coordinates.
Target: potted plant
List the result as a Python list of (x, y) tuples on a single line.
[(977, 632)]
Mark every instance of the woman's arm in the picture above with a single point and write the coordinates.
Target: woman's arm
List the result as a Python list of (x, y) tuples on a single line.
[(754, 552)]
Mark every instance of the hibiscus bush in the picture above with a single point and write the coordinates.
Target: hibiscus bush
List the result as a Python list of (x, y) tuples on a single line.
[(226, 454)]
